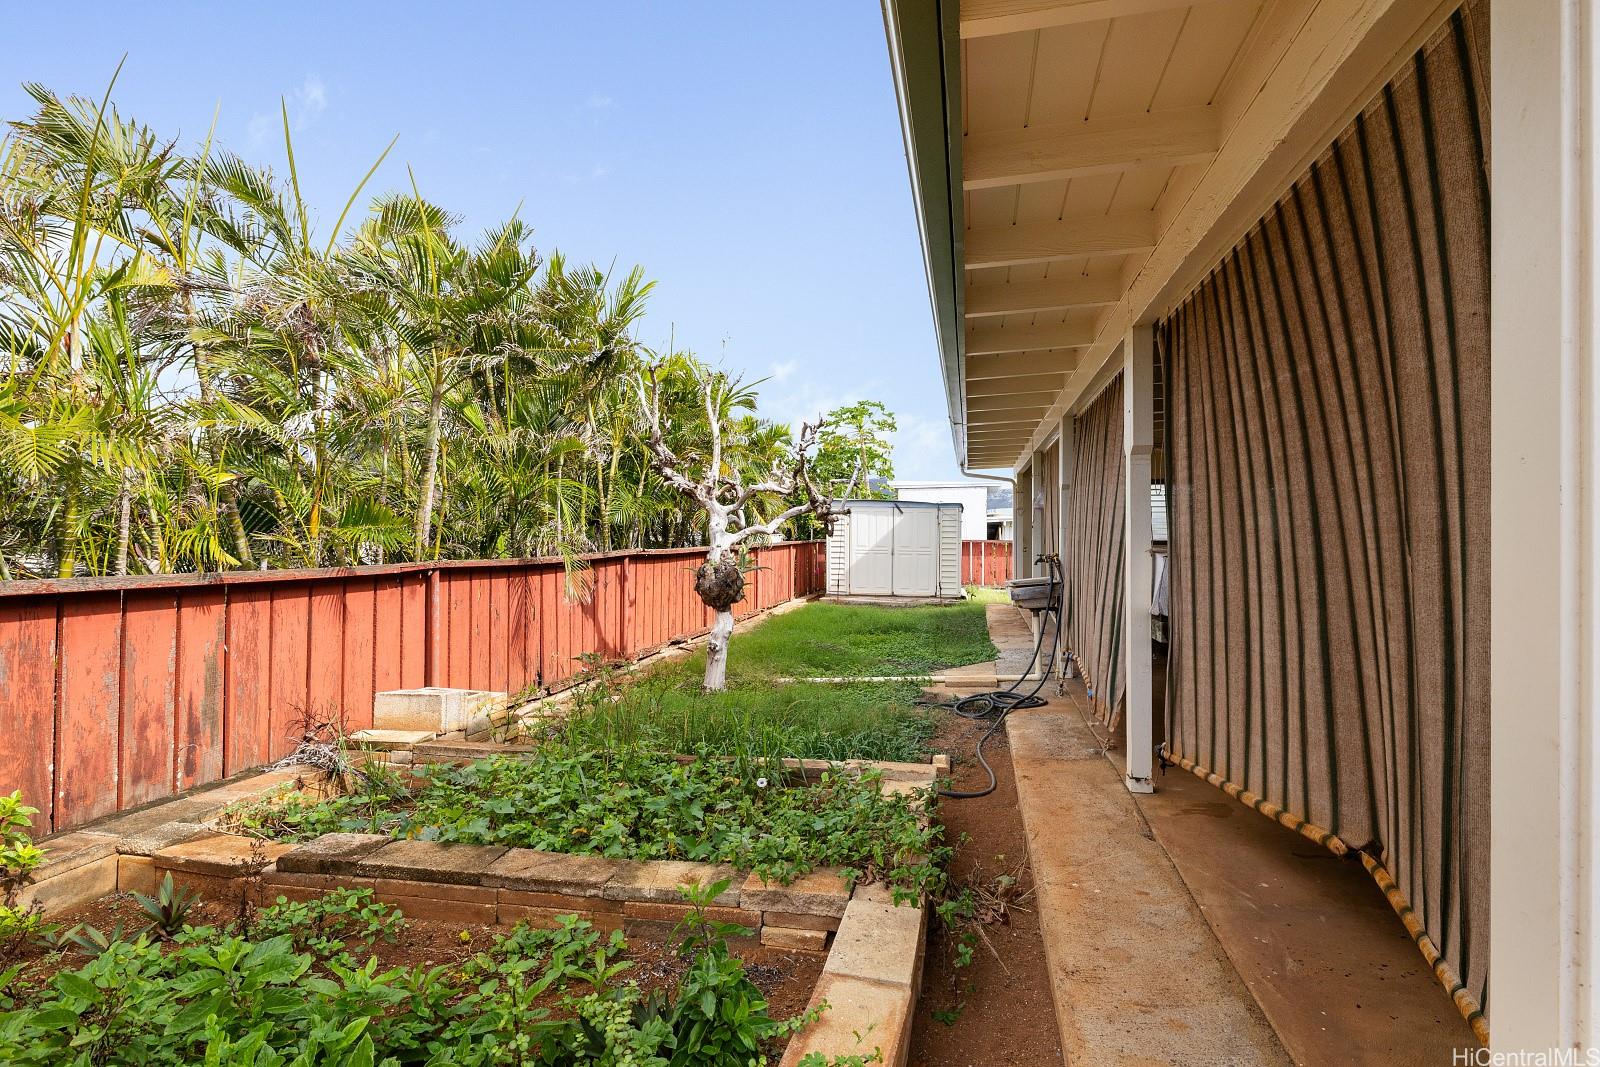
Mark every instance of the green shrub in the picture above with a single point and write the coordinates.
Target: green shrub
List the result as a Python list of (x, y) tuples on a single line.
[(325, 926)]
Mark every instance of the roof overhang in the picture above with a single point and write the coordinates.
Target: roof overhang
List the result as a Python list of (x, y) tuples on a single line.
[(1078, 166)]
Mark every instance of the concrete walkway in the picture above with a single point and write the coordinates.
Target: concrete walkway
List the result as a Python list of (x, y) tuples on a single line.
[(1137, 975)]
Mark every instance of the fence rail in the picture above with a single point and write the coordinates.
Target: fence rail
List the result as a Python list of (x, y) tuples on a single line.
[(985, 562), (122, 691)]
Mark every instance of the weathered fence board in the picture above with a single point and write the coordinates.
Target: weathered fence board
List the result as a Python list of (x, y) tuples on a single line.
[(986, 562), (123, 691)]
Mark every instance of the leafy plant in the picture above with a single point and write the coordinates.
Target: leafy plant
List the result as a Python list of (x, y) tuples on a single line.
[(325, 926), (19, 856), (168, 911)]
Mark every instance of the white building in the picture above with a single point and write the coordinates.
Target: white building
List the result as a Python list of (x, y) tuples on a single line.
[(972, 496)]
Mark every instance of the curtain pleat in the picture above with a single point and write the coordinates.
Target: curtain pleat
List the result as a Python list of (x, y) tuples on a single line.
[(1093, 566), (1328, 468)]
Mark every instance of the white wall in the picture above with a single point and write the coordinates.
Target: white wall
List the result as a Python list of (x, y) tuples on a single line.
[(973, 498)]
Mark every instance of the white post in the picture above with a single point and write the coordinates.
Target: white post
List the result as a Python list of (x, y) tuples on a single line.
[(1138, 440), (1022, 523), (1066, 452), (1544, 545), (1037, 544)]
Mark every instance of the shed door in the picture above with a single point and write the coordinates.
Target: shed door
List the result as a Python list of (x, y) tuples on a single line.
[(872, 551), (916, 557)]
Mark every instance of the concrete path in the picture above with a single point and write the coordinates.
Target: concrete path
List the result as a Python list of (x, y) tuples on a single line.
[(1137, 975)]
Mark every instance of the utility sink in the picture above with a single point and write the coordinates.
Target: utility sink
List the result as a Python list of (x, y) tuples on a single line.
[(1032, 594)]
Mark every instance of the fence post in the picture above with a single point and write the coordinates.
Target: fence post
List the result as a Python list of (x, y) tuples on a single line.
[(433, 644)]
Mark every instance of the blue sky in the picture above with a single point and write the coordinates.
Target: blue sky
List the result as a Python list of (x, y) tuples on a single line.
[(747, 155)]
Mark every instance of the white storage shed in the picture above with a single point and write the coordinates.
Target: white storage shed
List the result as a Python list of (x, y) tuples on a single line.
[(895, 548)]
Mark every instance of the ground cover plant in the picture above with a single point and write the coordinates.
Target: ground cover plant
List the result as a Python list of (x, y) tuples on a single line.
[(635, 803), (246, 994), (765, 713)]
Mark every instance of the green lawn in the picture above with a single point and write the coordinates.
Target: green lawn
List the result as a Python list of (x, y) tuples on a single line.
[(759, 716)]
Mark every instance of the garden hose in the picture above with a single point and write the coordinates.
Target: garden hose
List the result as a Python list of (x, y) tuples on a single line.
[(999, 703)]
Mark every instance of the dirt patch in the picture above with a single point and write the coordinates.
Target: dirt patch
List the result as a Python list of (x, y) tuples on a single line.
[(998, 1009), (786, 979)]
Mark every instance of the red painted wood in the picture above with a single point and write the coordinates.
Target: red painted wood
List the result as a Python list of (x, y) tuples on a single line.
[(455, 595), (290, 668), (249, 691), (418, 647), (28, 680), (90, 697), (325, 652), (148, 715), (360, 653), (199, 686)]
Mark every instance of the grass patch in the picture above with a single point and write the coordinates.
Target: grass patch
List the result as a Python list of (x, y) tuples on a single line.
[(985, 594), (855, 641)]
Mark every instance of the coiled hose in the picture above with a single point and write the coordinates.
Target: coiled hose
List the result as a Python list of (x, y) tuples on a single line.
[(997, 704)]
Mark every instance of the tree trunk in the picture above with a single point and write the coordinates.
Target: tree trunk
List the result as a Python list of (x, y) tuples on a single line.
[(67, 550), (430, 473), (124, 524), (717, 653)]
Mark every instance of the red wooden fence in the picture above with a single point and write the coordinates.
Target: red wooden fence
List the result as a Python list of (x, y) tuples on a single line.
[(122, 691), (985, 562)]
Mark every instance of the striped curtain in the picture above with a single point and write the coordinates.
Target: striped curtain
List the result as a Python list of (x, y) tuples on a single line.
[(1093, 567), (1328, 389)]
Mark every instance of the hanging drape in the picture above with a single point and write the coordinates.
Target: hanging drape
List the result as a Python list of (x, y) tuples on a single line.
[(1328, 390), (1093, 565)]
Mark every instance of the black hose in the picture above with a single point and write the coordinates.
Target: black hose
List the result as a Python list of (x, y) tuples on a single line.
[(1001, 702)]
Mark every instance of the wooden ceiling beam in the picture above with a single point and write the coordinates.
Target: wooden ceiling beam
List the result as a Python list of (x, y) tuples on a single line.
[(1041, 242), (990, 18), (1052, 294), (1007, 401), (1060, 361), (999, 340), (1073, 150), (1022, 383)]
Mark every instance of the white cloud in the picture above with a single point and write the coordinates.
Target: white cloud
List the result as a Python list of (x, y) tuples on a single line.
[(781, 371), (304, 104)]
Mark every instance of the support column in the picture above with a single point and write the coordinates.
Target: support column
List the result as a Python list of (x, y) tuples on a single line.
[(1066, 452), (1544, 550), (1022, 523), (1138, 441)]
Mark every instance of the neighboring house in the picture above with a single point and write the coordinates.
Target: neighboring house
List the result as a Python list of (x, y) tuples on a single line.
[(972, 496), (999, 525)]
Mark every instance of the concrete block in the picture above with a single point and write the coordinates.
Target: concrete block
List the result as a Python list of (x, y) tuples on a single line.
[(879, 942), (331, 853), (65, 852), (819, 892), (149, 842), (862, 1017), (429, 861), (138, 874), (220, 856), (792, 940), (550, 918), (434, 708), (394, 888), (390, 740), (675, 913), (660, 881), (560, 902), (530, 870), (795, 921), (434, 909), (76, 885), (461, 750)]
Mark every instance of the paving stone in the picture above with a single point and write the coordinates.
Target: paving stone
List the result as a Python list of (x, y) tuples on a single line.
[(862, 1017), (530, 870), (794, 940), (436, 709), (331, 853), (434, 909), (878, 941), (138, 874), (154, 840), (897, 772), (390, 740), (429, 861), (394, 888), (796, 921), (659, 881), (76, 885), (877, 892), (275, 877), (67, 851), (819, 892), (560, 901), (676, 913), (220, 855), (464, 751)]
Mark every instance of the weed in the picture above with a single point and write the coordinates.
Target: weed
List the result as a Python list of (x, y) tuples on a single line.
[(168, 911), (325, 926)]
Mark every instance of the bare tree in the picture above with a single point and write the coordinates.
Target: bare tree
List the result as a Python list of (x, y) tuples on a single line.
[(720, 491)]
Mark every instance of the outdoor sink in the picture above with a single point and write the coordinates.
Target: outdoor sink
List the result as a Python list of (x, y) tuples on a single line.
[(1034, 594)]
